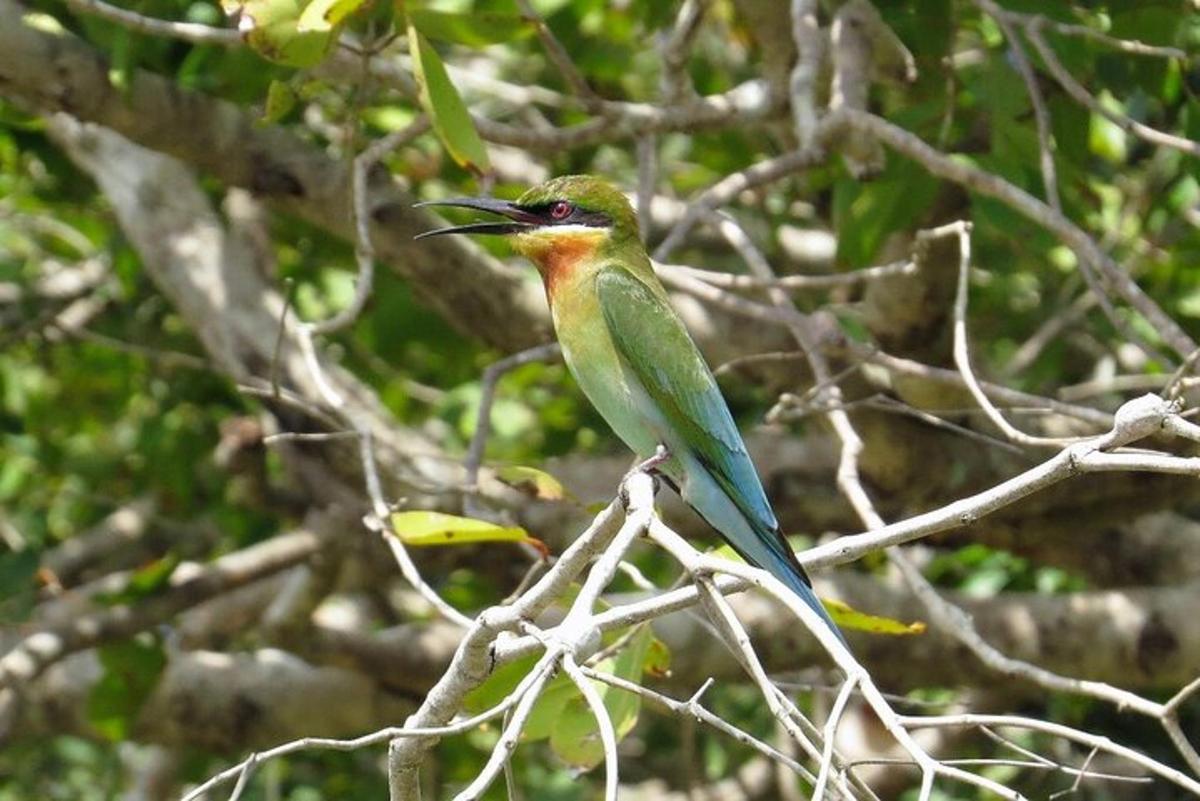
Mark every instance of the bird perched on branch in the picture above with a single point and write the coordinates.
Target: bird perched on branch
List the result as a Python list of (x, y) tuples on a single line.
[(635, 361)]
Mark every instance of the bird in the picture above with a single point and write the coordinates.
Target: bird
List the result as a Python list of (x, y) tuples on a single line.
[(635, 361)]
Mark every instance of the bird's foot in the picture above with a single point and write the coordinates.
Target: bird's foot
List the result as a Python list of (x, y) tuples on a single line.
[(650, 467)]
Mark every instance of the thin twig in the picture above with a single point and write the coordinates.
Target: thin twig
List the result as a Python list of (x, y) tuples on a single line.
[(1058, 730), (1040, 114), (1033, 29), (729, 187), (503, 749), (849, 278), (1130, 46), (487, 395), (364, 251), (802, 82), (289, 296), (1087, 250), (674, 46), (692, 708), (1047, 332), (608, 736), (830, 733), (185, 31), (647, 160), (559, 57), (962, 356)]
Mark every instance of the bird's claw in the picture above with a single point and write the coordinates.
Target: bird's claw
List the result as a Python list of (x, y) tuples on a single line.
[(650, 467)]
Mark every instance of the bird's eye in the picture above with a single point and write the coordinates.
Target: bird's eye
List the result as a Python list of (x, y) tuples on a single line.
[(561, 210)]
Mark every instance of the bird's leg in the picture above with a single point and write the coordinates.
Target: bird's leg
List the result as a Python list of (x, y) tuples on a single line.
[(649, 466)]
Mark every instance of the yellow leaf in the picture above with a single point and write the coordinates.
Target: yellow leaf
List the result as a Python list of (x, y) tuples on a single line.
[(846, 616), (325, 15), (530, 480), (658, 659), (849, 618), (434, 528), (271, 27)]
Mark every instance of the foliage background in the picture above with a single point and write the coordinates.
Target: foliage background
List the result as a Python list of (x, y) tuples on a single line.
[(109, 401)]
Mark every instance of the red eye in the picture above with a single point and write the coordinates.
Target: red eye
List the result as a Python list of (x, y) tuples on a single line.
[(561, 210)]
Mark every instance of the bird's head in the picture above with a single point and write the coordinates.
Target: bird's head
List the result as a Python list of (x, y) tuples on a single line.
[(561, 220)]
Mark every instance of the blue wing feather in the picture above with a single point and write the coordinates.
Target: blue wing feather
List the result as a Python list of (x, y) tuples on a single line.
[(657, 348), (720, 480)]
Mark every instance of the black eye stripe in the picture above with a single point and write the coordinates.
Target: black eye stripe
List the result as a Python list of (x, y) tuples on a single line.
[(578, 216)]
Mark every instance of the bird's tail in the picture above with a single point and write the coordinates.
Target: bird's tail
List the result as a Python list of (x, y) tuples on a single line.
[(789, 571), (757, 539)]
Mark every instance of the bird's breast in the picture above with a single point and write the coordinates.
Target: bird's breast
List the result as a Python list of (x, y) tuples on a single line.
[(592, 357)]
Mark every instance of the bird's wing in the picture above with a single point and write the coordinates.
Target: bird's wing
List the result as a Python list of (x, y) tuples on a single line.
[(658, 350)]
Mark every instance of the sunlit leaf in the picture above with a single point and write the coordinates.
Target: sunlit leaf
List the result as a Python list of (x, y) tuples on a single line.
[(441, 101), (272, 28), (436, 528), (536, 483), (280, 100), (325, 15), (1107, 139), (848, 617), (1189, 305)]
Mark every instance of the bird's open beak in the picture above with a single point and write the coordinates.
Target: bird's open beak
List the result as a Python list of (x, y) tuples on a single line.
[(520, 218)]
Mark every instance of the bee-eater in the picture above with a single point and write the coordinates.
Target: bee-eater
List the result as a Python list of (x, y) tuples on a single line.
[(635, 361)]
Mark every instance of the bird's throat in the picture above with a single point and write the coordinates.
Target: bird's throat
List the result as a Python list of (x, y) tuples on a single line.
[(559, 254)]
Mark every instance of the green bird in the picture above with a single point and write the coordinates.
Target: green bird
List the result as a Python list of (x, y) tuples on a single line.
[(635, 361)]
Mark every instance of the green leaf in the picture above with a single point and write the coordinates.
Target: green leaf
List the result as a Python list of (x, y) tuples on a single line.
[(445, 107), (17, 569), (849, 618), (867, 213), (131, 670), (500, 683), (145, 581), (325, 15), (473, 29), (1107, 139), (575, 737), (1189, 304), (535, 483), (561, 714), (550, 707), (152, 577), (18, 592), (280, 100), (272, 28), (435, 528)]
